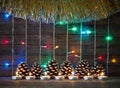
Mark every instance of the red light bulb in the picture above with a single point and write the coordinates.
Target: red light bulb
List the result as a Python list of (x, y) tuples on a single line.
[(100, 57), (5, 41), (22, 43)]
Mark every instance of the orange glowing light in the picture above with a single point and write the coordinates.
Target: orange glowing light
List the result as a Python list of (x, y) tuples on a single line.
[(114, 60), (56, 47), (73, 51)]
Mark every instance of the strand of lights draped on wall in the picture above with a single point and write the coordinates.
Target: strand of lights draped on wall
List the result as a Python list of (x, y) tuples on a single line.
[(53, 11)]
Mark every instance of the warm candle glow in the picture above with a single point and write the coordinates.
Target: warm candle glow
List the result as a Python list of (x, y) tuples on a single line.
[(30, 73), (45, 73), (72, 72), (102, 74), (88, 74), (16, 73), (59, 73)]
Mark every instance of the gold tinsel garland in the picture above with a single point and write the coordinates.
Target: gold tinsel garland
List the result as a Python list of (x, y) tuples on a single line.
[(56, 10)]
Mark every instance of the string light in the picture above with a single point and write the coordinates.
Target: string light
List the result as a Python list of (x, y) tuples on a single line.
[(6, 64), (73, 51), (114, 60), (6, 16), (56, 47), (22, 43), (5, 41), (86, 32), (108, 38), (74, 28), (100, 57)]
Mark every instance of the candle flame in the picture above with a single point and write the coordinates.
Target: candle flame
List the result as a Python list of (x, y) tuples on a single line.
[(30, 73), (88, 74), (16, 73), (102, 73), (59, 73), (45, 73), (72, 72)]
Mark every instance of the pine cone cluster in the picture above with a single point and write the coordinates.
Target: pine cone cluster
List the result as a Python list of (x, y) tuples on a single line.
[(97, 70), (52, 69), (82, 69), (66, 69), (22, 70), (36, 70)]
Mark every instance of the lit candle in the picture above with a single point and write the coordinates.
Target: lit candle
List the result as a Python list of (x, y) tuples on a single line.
[(88, 77), (59, 77), (72, 73), (30, 73), (17, 77), (16, 73), (30, 77), (73, 77), (102, 76), (45, 73), (88, 74), (46, 77)]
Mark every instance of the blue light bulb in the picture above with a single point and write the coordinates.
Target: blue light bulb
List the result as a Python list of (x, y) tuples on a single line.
[(6, 64), (6, 16)]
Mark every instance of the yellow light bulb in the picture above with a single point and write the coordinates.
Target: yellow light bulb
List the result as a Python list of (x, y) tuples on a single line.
[(114, 60), (56, 47), (73, 51)]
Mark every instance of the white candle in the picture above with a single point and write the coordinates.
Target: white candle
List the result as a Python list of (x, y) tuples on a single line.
[(30, 77), (102, 77), (59, 77), (45, 77), (16, 73), (16, 77), (88, 77), (73, 77)]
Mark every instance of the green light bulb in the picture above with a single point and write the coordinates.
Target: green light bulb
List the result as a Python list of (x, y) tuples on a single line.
[(74, 28), (62, 22), (108, 38), (88, 32)]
